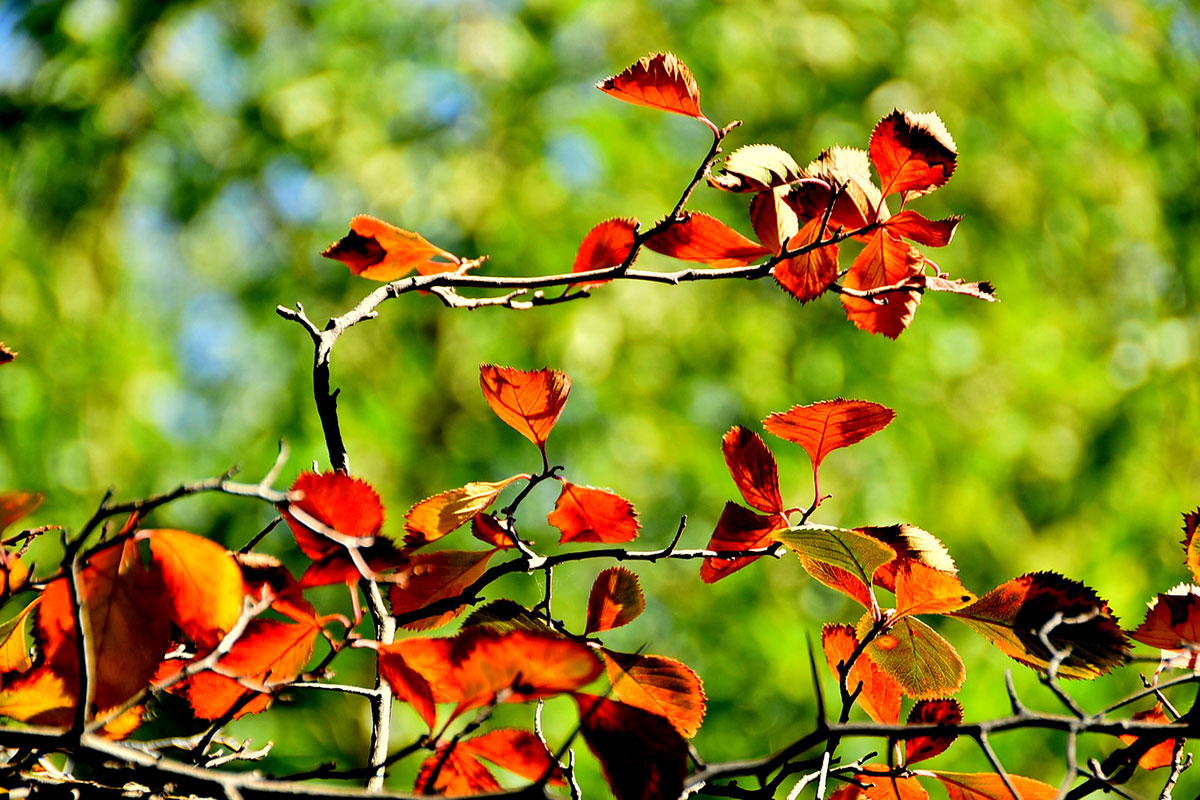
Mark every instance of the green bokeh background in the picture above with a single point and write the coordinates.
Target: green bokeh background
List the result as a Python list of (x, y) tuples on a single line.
[(170, 172)]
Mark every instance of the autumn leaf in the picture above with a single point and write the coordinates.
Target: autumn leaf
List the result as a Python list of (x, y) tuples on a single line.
[(506, 615), (528, 402), (416, 659), (909, 224), (606, 245), (881, 693), (487, 529), (460, 774), (887, 787), (844, 173), (884, 261), (434, 517), (821, 428), (756, 168), (37, 693), (347, 505), (1191, 542), (910, 544), (1161, 754), (14, 574), (584, 514), (1172, 620), (913, 153), (615, 600), (808, 275), (520, 752), (14, 649), (203, 582), (642, 755), (14, 505), (739, 528), (408, 684), (945, 711), (753, 469), (1011, 615), (340, 567), (773, 219), (707, 240), (382, 252), (990, 786), (852, 557), (519, 666), (925, 665), (921, 589), (659, 81), (659, 685), (7, 356), (430, 577)]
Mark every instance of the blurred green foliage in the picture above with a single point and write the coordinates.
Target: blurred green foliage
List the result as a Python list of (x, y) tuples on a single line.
[(169, 172)]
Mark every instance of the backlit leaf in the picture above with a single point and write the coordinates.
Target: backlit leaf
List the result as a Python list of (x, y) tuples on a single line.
[(884, 261), (204, 585), (1172, 621), (659, 81), (739, 528), (886, 787), (408, 684), (584, 514), (506, 615), (519, 666), (435, 576), (659, 685), (925, 590), (707, 240), (756, 168), (821, 428), (348, 505), (909, 224), (615, 600), (990, 786), (773, 219), (945, 711), (846, 173), (1162, 754), (487, 529), (460, 775), (431, 659), (14, 648), (517, 751), (1191, 542), (848, 551), (36, 693), (434, 517), (339, 567), (925, 664), (14, 574), (382, 252), (642, 755), (913, 153), (14, 505), (881, 694), (753, 469), (606, 245), (528, 402), (1011, 615), (807, 275), (911, 543)]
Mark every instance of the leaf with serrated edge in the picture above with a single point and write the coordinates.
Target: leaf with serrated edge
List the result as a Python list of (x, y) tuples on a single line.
[(707, 240), (348, 505), (990, 786), (1172, 620), (204, 584), (739, 528), (460, 775), (884, 261), (1191, 543), (924, 590), (881, 693), (946, 711), (434, 517), (844, 549), (756, 168), (753, 468), (584, 514), (858, 201), (773, 220), (659, 685), (408, 684), (807, 276), (529, 402), (914, 153), (661, 81), (924, 663), (520, 752), (908, 224), (822, 427), (909, 542), (518, 666), (980, 290), (615, 600)]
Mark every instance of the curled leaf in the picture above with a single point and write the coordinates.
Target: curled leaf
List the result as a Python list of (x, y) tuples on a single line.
[(756, 168), (382, 252), (434, 517), (707, 240), (908, 224), (1191, 542), (739, 528), (852, 557), (880, 695), (659, 81), (773, 219), (753, 469)]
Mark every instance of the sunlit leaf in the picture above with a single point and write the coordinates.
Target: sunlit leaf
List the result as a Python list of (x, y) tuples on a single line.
[(707, 240), (659, 685), (659, 81), (339, 567), (945, 711), (408, 684), (35, 694), (517, 751), (910, 543), (883, 261), (990, 786), (347, 505), (7, 356), (460, 774), (382, 252), (808, 275), (584, 514), (434, 517), (1172, 621), (14, 648), (739, 528), (821, 428), (756, 168), (204, 585), (606, 245), (1161, 754), (431, 661), (913, 153), (881, 694), (980, 290), (519, 666), (773, 219), (14, 505), (642, 755), (886, 787), (615, 600), (528, 402), (753, 469), (843, 172), (506, 615), (925, 664), (908, 224), (924, 590), (487, 529), (430, 577), (845, 550), (1191, 542)]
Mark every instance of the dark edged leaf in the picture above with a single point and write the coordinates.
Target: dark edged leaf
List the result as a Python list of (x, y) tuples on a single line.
[(642, 755), (756, 168), (661, 81), (945, 711), (7, 356), (584, 514), (981, 290), (615, 600), (881, 693), (808, 275), (909, 542), (382, 252), (707, 240), (753, 469), (660, 685), (529, 402), (738, 529), (1172, 620), (913, 153), (925, 665)]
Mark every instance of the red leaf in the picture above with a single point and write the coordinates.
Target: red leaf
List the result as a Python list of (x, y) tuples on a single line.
[(990, 786), (517, 751), (808, 275), (434, 517), (707, 240), (660, 685), (431, 660), (880, 696), (408, 684), (606, 245), (858, 203), (584, 514), (914, 153), (884, 787), (773, 219), (738, 529), (518, 666), (931, 712), (461, 774), (1161, 754), (528, 402), (14, 505), (932, 233), (643, 756), (487, 529), (615, 600), (377, 250), (753, 469), (14, 650), (924, 590), (1172, 621), (884, 261), (339, 567), (435, 576), (821, 428), (348, 505), (661, 81), (204, 585)]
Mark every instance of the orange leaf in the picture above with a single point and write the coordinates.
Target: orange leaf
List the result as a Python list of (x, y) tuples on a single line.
[(659, 685), (435, 576), (933, 233), (528, 402), (615, 600), (348, 505), (846, 172), (339, 567), (1172, 621), (408, 684), (1191, 542), (910, 543), (914, 153), (1161, 754), (753, 469), (487, 529), (519, 666), (931, 712), (821, 428), (807, 275), (517, 751), (6, 355), (738, 529), (756, 168), (661, 81), (606, 245), (37, 693), (924, 664), (884, 261), (773, 220), (431, 660), (990, 786), (584, 514), (707, 240), (129, 624), (14, 573), (14, 505), (880, 696), (204, 584), (434, 517), (1011, 615), (382, 252), (643, 756), (14, 649), (461, 774), (841, 559), (885, 787), (924, 590)]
